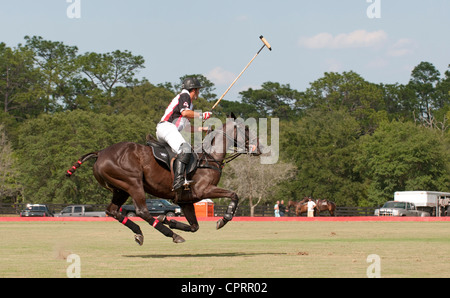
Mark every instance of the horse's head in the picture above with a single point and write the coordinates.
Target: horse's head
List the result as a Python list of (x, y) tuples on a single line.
[(235, 136), (243, 135)]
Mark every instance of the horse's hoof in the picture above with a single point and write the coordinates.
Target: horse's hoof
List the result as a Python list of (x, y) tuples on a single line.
[(139, 239), (221, 223), (177, 238)]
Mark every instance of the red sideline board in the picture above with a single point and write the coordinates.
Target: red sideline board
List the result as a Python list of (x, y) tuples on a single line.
[(256, 219)]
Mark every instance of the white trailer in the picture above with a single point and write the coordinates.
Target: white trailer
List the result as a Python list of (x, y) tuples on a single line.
[(434, 202)]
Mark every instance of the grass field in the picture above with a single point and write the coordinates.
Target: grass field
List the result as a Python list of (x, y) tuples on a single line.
[(241, 249)]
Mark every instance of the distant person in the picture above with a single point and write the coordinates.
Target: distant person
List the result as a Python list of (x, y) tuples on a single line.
[(281, 208), (277, 209), (311, 206)]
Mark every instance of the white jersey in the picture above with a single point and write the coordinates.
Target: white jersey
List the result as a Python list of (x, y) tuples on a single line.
[(180, 103)]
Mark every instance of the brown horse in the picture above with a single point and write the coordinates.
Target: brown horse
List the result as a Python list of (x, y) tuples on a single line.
[(130, 169), (299, 207), (325, 205), (321, 205)]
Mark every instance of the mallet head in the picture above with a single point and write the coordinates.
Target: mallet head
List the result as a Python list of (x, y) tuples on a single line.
[(265, 42)]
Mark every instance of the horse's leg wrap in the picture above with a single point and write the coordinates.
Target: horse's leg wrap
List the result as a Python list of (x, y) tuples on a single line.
[(230, 211), (131, 225), (165, 230), (113, 211), (228, 215), (160, 227), (173, 224), (138, 236)]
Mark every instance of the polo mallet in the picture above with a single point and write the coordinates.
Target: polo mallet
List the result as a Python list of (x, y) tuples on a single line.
[(266, 44)]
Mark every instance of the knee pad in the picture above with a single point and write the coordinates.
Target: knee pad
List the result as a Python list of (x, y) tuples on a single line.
[(184, 153), (185, 148)]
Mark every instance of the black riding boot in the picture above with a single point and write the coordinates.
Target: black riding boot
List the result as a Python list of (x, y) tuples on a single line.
[(179, 166), (178, 171)]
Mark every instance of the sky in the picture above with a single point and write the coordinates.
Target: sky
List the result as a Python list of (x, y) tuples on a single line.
[(382, 40)]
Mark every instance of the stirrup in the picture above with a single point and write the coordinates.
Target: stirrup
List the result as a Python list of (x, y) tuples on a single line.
[(187, 184)]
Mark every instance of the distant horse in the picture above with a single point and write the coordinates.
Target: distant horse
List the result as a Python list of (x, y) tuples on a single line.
[(130, 169), (299, 207), (325, 205)]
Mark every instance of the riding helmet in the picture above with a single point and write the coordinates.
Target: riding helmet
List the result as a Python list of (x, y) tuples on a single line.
[(191, 83)]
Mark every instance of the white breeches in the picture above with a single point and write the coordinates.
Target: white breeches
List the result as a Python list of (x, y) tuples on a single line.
[(168, 133)]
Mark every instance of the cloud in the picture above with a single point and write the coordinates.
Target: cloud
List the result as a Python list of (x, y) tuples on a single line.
[(402, 48), (333, 65), (355, 39), (219, 76)]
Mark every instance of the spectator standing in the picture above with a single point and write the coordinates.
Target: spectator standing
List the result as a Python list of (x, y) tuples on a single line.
[(277, 209), (281, 208), (311, 206)]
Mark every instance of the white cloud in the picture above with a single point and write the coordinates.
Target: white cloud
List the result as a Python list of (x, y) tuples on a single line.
[(333, 65), (219, 76), (355, 39), (402, 48)]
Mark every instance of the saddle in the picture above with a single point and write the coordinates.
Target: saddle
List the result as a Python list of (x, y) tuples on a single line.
[(164, 155)]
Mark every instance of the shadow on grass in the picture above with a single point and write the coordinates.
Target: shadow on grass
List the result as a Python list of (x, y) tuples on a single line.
[(201, 255)]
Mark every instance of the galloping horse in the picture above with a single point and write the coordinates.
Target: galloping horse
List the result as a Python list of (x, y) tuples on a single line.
[(130, 169), (325, 205)]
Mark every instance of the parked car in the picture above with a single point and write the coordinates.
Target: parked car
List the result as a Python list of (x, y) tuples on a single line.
[(36, 210), (80, 211), (156, 207), (394, 208), (433, 202)]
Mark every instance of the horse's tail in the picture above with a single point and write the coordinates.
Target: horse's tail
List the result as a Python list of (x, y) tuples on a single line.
[(82, 159)]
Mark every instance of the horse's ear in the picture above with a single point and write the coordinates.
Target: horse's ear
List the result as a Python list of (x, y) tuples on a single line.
[(232, 116)]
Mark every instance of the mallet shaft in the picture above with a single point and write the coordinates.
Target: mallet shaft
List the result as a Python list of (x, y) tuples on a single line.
[(266, 44), (234, 82)]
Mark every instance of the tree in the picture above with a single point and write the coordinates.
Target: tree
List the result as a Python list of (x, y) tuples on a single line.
[(240, 109), (108, 70), (10, 187), (59, 70), (401, 156), (349, 91), (323, 146), (256, 182), (49, 144), (144, 101), (400, 101), (424, 79), (20, 90), (443, 95), (272, 100)]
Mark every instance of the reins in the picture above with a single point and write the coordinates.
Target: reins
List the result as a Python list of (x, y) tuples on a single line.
[(209, 158)]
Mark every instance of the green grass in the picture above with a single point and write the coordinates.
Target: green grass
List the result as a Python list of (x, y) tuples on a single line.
[(240, 249)]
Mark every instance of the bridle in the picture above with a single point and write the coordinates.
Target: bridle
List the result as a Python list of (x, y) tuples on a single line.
[(207, 156)]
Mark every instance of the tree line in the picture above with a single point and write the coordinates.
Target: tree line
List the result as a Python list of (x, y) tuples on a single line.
[(343, 138)]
